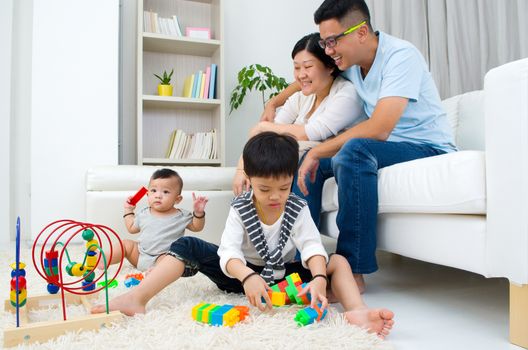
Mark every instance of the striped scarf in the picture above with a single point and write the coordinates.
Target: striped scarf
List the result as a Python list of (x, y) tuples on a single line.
[(243, 204)]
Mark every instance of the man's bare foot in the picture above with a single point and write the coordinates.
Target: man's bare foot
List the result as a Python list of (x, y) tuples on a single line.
[(379, 321), (126, 303), (360, 282)]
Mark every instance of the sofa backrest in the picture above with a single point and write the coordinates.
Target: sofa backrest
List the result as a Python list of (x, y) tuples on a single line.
[(466, 116)]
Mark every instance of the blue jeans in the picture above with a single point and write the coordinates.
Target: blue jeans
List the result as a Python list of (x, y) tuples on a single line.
[(201, 256), (355, 168)]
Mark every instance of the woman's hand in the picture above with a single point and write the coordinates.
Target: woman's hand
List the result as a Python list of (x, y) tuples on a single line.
[(240, 182), (256, 289)]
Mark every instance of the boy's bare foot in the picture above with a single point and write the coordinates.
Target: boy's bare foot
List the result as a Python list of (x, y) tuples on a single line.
[(360, 282), (126, 303), (379, 321)]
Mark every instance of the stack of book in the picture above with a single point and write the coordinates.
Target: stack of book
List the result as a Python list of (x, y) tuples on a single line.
[(201, 84), (154, 24), (200, 145)]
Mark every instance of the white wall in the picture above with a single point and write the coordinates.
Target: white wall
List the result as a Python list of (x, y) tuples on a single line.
[(6, 22), (74, 107), (259, 32)]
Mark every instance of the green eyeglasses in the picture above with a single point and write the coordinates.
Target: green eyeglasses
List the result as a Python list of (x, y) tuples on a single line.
[(331, 41)]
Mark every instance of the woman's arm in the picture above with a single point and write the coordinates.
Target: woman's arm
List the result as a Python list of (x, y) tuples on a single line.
[(277, 101)]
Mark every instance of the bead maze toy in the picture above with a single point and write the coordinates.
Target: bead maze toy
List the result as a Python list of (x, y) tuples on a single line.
[(309, 315), (75, 281), (216, 315)]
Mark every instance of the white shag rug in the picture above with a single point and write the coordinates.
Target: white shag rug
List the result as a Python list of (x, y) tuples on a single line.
[(168, 323)]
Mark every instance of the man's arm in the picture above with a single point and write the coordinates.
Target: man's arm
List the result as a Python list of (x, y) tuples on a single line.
[(379, 127), (277, 101)]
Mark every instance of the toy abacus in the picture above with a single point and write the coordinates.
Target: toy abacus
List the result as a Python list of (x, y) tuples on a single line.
[(76, 280)]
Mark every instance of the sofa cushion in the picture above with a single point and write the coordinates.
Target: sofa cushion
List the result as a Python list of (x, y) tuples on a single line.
[(128, 177), (452, 183)]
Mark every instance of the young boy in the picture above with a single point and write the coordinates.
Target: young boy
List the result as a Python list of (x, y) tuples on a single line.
[(160, 223), (263, 231)]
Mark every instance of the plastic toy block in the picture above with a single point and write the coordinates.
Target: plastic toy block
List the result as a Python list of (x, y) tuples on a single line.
[(139, 276), (275, 288), (206, 312), (243, 310), (309, 315), (200, 311), (131, 282), (195, 309), (217, 318), (231, 317), (293, 278), (277, 298), (111, 284), (137, 197)]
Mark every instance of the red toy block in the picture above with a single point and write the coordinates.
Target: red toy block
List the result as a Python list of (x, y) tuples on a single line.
[(137, 197)]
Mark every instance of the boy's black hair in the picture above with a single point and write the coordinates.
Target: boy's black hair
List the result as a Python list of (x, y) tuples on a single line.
[(310, 43), (269, 154), (347, 12), (166, 173)]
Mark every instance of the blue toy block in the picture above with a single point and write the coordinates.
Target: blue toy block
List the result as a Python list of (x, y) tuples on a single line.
[(131, 281), (217, 317)]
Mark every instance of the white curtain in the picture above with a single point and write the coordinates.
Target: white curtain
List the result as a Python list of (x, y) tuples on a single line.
[(460, 39)]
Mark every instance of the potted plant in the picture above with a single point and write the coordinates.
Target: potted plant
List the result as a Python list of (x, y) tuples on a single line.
[(256, 77), (165, 88)]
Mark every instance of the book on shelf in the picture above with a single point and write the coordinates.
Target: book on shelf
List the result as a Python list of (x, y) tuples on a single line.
[(202, 86), (212, 82), (153, 23), (177, 25), (187, 86), (200, 145), (207, 80)]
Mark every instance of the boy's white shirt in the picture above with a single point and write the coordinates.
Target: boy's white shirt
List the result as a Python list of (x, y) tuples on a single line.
[(235, 243)]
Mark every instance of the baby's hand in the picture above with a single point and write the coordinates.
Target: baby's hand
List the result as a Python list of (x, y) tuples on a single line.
[(128, 206), (199, 204)]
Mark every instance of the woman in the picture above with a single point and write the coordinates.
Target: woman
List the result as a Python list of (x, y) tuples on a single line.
[(326, 104)]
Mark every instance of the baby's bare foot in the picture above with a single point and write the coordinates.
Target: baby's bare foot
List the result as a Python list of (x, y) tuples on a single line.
[(126, 303), (379, 321)]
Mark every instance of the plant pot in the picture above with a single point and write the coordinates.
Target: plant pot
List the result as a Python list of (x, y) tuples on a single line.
[(164, 90)]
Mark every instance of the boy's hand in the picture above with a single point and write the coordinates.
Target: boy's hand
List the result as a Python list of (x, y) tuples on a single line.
[(317, 289), (255, 289), (199, 204), (129, 208)]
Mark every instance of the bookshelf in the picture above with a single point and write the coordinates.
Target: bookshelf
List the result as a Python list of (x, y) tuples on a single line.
[(159, 116)]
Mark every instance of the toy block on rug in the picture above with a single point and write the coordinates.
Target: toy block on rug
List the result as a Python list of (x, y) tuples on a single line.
[(216, 315)]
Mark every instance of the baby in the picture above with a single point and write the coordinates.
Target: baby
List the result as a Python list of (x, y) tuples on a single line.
[(160, 223)]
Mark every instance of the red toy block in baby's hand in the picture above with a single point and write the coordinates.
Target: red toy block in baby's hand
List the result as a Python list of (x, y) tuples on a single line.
[(133, 201)]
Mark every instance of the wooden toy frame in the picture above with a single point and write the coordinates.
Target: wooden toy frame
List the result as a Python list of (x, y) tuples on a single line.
[(45, 330)]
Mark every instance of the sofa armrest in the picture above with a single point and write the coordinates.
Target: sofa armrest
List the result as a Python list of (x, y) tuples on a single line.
[(506, 115)]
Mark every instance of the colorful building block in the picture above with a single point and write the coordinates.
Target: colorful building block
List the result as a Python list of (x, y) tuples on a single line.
[(309, 315), (216, 315)]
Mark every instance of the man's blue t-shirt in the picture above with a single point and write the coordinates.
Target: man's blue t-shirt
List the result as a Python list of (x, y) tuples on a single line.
[(399, 69)]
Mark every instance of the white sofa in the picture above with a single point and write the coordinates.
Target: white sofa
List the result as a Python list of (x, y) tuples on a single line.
[(466, 210)]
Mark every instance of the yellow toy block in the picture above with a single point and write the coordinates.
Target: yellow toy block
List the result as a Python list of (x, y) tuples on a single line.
[(195, 310), (231, 317), (277, 298)]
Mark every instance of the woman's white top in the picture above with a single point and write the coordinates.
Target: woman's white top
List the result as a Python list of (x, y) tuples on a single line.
[(341, 109)]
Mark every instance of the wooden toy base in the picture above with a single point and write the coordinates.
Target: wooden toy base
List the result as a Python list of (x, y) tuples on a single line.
[(43, 331)]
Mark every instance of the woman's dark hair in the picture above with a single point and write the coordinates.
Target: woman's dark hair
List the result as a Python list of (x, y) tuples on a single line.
[(310, 43), (269, 154), (166, 173)]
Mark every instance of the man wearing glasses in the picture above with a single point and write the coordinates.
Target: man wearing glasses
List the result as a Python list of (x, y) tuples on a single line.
[(405, 121)]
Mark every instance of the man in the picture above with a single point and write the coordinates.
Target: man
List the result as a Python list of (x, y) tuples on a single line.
[(406, 121)]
